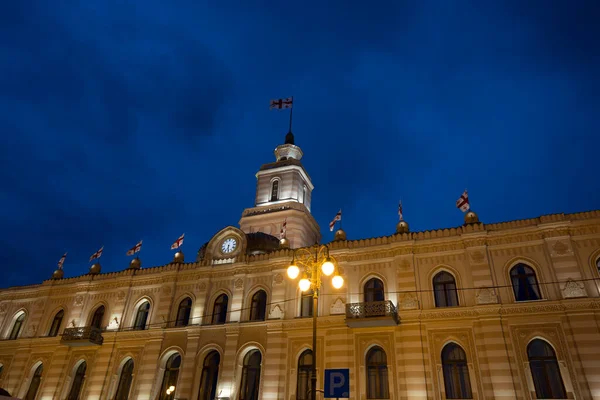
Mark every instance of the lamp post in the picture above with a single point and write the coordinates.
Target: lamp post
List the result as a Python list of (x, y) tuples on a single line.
[(316, 263)]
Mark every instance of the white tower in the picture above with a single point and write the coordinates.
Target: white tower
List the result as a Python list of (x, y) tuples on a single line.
[(283, 193)]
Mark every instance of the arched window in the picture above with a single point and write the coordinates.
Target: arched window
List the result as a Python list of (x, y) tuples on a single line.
[(377, 374), (125, 381), (306, 304), (258, 308), (374, 290), (444, 289), (251, 376), (305, 363), (183, 312), (170, 377), (545, 371), (77, 382), (598, 265), (141, 318), (17, 326), (210, 374), (56, 323), (456, 372), (1, 370), (524, 283), (98, 317), (34, 385), (275, 190), (220, 309)]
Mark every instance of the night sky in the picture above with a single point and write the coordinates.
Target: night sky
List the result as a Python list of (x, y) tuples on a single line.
[(129, 120)]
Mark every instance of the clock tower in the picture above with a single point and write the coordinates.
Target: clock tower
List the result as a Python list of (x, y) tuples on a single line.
[(283, 193)]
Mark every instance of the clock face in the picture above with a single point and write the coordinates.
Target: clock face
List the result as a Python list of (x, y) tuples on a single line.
[(229, 245)]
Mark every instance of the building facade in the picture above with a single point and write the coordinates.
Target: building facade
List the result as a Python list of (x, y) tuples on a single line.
[(483, 311)]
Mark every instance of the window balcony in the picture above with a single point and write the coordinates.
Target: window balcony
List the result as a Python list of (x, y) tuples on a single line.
[(373, 313), (84, 336)]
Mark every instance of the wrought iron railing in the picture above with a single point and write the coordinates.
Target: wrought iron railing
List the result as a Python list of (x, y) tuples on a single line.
[(372, 309), (86, 333)]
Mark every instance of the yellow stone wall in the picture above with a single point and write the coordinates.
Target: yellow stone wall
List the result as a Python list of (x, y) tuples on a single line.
[(489, 324)]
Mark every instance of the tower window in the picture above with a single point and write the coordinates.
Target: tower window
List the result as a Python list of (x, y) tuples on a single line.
[(275, 190)]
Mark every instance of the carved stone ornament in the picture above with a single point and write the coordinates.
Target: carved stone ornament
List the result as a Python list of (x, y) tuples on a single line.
[(559, 248), (338, 307), (278, 278), (202, 286), (78, 301), (486, 296), (3, 308), (409, 302), (573, 289), (239, 283), (121, 296), (477, 257), (276, 312)]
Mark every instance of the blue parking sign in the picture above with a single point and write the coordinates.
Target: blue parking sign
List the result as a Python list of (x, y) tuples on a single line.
[(337, 383)]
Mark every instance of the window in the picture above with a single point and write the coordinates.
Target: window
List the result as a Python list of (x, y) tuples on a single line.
[(183, 312), (306, 304), (444, 289), (377, 374), (34, 385), (598, 265), (258, 307), (545, 371), (56, 323), (305, 363), (170, 377), (456, 372), (97, 318), (220, 310), (17, 326), (210, 374), (125, 381), (374, 290), (304, 195), (141, 318), (524, 283), (77, 382), (251, 376), (275, 190)]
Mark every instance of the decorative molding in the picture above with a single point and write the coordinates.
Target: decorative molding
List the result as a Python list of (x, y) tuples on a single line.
[(3, 307), (573, 289), (486, 296), (239, 283), (477, 257), (409, 302), (276, 312), (337, 307), (277, 279), (78, 300)]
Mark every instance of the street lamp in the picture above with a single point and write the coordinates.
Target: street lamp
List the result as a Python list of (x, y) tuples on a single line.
[(316, 264)]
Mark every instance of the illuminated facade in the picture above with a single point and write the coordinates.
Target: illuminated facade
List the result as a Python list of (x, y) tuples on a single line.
[(484, 311)]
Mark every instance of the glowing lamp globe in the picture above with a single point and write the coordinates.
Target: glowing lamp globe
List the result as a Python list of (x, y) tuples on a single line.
[(337, 281), (327, 267), (293, 271), (304, 284)]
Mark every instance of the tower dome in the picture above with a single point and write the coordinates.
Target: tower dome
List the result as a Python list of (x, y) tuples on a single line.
[(136, 263), (402, 227), (178, 257), (340, 234), (471, 218), (95, 269), (58, 274)]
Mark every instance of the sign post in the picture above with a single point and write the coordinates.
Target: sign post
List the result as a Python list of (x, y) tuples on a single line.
[(337, 384)]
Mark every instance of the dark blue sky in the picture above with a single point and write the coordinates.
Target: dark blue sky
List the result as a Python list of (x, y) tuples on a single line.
[(128, 120)]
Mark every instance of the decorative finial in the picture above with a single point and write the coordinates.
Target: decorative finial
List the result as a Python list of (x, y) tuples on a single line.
[(289, 138)]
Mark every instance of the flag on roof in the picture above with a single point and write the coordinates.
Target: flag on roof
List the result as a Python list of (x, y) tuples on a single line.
[(338, 217), (281, 103), (97, 254), (62, 261), (400, 210), (177, 244), (463, 202), (135, 249)]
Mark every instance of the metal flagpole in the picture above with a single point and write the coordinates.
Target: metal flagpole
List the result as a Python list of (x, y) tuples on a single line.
[(291, 111)]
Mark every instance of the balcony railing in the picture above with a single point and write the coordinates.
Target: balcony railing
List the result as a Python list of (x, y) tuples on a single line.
[(83, 336), (372, 313)]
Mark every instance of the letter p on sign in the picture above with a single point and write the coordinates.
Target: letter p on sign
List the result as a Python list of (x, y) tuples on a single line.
[(337, 383)]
